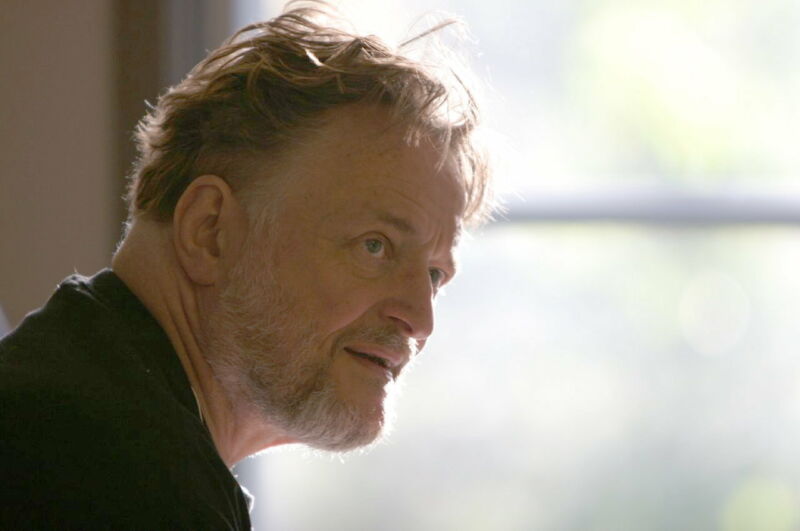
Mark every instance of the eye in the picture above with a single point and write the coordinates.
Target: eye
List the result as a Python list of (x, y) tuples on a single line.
[(437, 276), (375, 247)]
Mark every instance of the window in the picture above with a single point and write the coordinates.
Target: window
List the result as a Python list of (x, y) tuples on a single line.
[(620, 350)]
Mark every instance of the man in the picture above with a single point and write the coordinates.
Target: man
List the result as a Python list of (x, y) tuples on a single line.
[(293, 213)]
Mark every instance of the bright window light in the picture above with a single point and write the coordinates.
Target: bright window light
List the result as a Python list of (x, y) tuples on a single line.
[(620, 351)]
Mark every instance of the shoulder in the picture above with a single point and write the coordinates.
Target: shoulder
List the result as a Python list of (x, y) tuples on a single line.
[(77, 452), (94, 436)]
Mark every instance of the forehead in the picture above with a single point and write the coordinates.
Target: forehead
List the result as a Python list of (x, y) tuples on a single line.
[(356, 164)]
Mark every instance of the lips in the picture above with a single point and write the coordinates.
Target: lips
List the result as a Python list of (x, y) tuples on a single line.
[(381, 349), (369, 357)]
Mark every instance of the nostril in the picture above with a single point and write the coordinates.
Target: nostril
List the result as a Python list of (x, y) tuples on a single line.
[(404, 327)]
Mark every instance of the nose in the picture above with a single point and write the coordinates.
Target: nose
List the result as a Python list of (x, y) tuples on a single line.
[(410, 305)]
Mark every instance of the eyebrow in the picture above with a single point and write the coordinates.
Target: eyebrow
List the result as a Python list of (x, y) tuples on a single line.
[(398, 223), (404, 226)]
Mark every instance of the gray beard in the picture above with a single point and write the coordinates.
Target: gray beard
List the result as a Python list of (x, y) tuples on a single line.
[(263, 354)]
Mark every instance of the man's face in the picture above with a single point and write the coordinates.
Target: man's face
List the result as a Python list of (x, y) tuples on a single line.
[(333, 298)]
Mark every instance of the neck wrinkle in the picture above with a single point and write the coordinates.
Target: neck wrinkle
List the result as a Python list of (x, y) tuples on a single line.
[(182, 323), (166, 291)]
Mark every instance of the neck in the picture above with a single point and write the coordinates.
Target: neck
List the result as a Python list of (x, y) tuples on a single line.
[(146, 263)]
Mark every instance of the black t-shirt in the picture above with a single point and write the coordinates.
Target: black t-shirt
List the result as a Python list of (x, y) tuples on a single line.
[(99, 428)]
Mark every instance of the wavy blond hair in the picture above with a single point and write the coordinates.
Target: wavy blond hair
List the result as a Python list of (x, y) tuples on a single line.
[(271, 82)]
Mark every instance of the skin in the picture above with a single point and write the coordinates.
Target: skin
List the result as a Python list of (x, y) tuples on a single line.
[(362, 240)]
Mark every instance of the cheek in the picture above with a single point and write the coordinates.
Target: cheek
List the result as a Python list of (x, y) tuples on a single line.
[(323, 289), (339, 299)]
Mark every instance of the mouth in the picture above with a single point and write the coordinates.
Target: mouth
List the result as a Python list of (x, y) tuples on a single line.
[(369, 357), (375, 360)]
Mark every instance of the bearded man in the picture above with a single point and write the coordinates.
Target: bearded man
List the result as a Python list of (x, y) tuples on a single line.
[(293, 212)]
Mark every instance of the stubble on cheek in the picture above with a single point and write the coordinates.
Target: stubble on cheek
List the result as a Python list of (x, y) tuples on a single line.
[(270, 356)]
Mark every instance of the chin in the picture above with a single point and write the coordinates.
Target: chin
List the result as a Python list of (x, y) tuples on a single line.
[(352, 442), (374, 427), (325, 421), (362, 432)]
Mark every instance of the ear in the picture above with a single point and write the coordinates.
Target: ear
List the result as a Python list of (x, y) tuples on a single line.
[(206, 224)]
